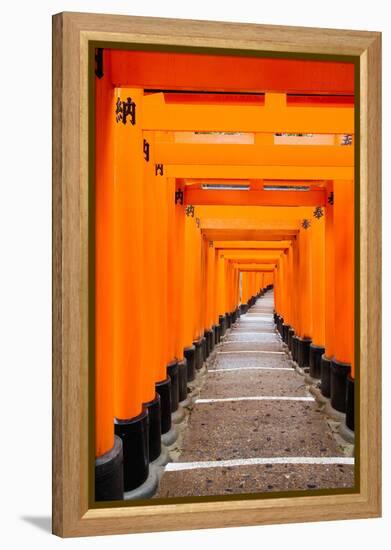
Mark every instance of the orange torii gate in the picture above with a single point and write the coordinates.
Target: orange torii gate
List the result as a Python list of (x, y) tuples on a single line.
[(229, 297), (195, 71), (152, 317), (272, 117)]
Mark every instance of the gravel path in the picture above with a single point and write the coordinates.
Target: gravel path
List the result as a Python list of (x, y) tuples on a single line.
[(254, 407)]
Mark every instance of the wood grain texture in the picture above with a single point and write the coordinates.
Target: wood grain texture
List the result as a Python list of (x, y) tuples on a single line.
[(71, 513), (57, 437), (370, 273)]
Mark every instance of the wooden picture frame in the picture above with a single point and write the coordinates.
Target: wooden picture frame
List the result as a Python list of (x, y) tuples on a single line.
[(72, 513)]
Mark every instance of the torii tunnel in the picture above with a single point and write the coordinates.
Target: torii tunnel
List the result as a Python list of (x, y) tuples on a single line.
[(221, 184)]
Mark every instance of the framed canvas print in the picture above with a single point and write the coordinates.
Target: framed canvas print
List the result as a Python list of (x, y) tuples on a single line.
[(216, 274)]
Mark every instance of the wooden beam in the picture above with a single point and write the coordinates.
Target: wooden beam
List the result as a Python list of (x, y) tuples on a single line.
[(249, 253), (273, 117), (249, 234), (255, 213), (197, 71), (252, 260), (231, 171), (254, 155), (255, 198), (254, 267), (248, 224), (254, 245)]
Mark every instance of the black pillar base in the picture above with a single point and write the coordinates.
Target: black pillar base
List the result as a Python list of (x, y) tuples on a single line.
[(163, 388), (303, 352), (222, 324), (109, 473), (199, 359), (338, 383), (182, 378), (243, 309), (209, 335), (291, 333), (216, 330), (316, 353), (203, 346), (277, 320), (228, 320), (350, 403), (275, 316), (233, 316), (207, 344), (189, 354), (154, 427), (325, 365), (134, 435), (295, 348), (280, 322), (172, 372), (285, 330), (225, 324)]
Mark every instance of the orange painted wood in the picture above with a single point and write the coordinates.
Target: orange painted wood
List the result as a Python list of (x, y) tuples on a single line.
[(254, 198), (189, 307), (210, 283), (104, 266), (274, 172), (161, 272), (296, 286), (221, 282), (198, 271), (261, 245), (329, 277), (174, 283), (304, 290), (344, 271), (180, 280), (254, 155), (128, 269), (254, 267), (152, 369), (216, 286), (287, 288), (273, 117), (185, 71), (202, 98), (245, 291), (318, 280)]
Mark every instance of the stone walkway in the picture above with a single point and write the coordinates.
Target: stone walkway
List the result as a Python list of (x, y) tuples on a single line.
[(254, 427)]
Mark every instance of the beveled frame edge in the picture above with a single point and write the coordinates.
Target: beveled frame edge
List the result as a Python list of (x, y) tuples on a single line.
[(71, 515)]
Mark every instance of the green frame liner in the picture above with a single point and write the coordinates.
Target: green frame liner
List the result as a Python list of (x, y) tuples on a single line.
[(92, 45)]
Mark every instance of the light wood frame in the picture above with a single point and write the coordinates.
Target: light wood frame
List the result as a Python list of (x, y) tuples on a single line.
[(72, 515)]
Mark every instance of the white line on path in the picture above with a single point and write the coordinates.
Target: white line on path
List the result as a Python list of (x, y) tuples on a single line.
[(252, 351), (253, 332), (255, 317), (177, 466), (254, 398), (248, 341), (251, 368)]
